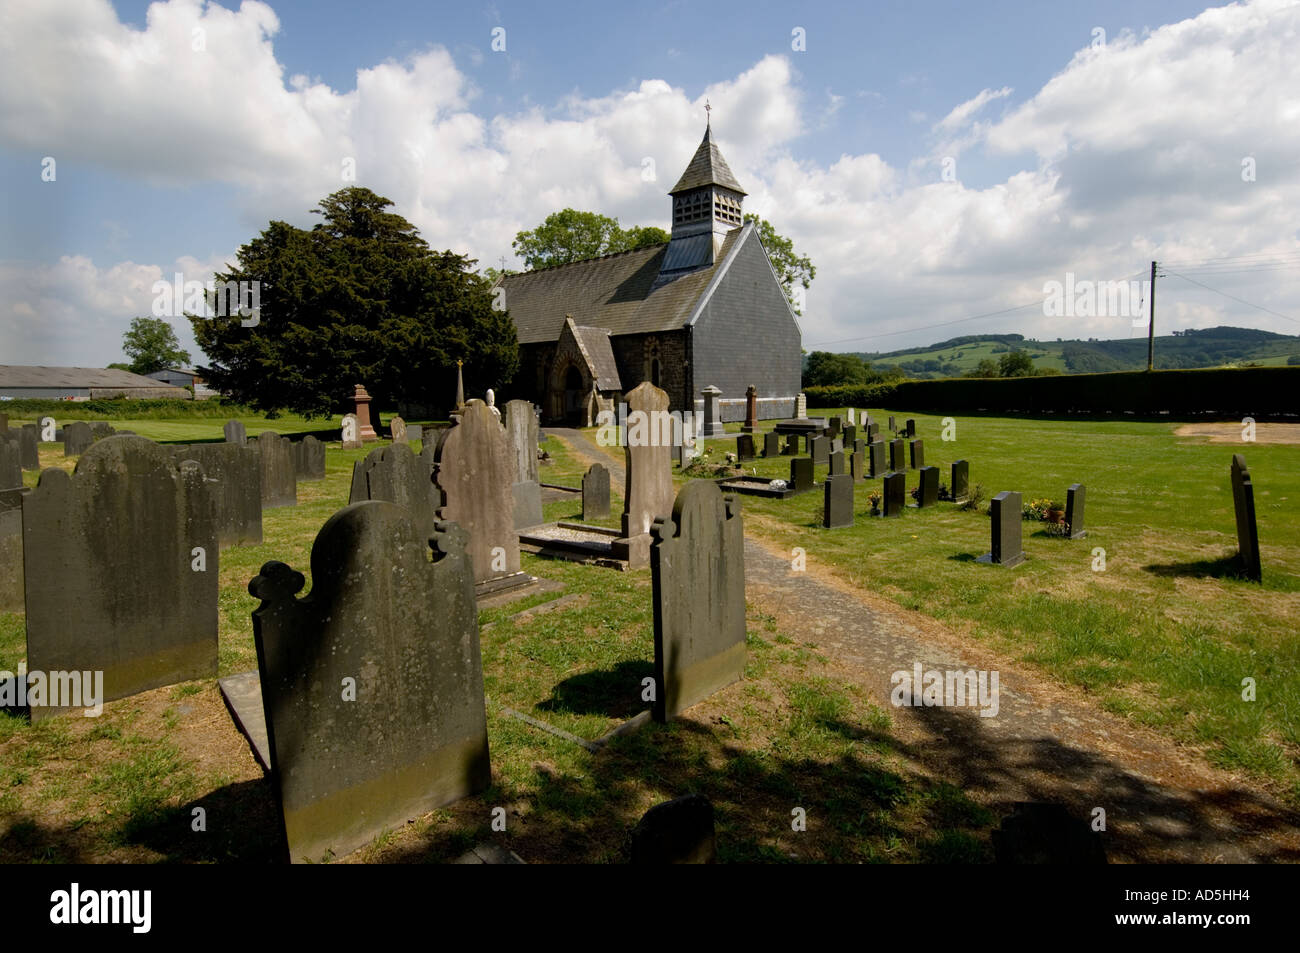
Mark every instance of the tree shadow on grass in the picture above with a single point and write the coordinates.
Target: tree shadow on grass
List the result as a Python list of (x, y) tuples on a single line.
[(1227, 567), (615, 692)]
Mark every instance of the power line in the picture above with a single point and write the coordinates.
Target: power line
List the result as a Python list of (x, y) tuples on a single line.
[(1235, 298)]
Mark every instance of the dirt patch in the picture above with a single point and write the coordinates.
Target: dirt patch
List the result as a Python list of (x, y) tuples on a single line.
[(1231, 432)]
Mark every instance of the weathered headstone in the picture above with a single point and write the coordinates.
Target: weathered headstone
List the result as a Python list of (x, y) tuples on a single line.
[(894, 492), (849, 435), (397, 430), (394, 474), (648, 488), (4, 422), (101, 429), (836, 463), (771, 444), (1005, 513), (801, 407), (959, 483), (679, 831), (791, 444), (745, 447), (77, 438), (857, 464), (595, 493), (11, 466), (801, 474), (29, 447), (400, 634), (873, 431), (751, 409), (121, 567), (11, 550), (917, 450), (853, 417), (837, 445), (1074, 500), (820, 450), (928, 483), (893, 427), (473, 470), (361, 409), (414, 432), (235, 432), (712, 413), (233, 473), (1243, 502), (837, 509), (896, 460), (309, 458), (522, 438), (697, 566), (350, 432), (876, 459), (279, 472), (834, 426)]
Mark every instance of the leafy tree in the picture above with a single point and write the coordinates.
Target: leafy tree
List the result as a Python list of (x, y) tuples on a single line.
[(825, 369), (570, 235), (987, 367), (1017, 363), (151, 345), (791, 268), (358, 299)]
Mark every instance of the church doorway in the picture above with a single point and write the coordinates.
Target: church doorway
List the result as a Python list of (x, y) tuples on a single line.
[(573, 395)]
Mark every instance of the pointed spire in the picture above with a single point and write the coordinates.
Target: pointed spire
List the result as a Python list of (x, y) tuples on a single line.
[(707, 167)]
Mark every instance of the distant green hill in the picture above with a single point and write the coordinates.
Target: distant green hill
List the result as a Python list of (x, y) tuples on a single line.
[(1210, 347)]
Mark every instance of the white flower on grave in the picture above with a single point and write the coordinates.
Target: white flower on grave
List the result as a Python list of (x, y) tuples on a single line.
[(778, 484), (731, 458)]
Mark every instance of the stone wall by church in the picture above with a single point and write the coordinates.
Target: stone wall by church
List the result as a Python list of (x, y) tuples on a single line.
[(635, 355)]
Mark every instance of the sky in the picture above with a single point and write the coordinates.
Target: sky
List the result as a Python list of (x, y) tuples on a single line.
[(941, 163)]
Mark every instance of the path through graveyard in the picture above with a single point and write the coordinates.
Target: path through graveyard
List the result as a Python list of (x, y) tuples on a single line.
[(1162, 803)]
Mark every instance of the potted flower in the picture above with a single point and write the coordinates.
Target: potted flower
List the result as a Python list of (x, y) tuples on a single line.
[(1055, 512), (874, 499)]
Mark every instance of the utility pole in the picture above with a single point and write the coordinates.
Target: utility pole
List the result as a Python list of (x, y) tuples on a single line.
[(1151, 322)]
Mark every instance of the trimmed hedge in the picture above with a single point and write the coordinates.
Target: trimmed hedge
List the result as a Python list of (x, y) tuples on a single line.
[(1236, 392), (123, 409)]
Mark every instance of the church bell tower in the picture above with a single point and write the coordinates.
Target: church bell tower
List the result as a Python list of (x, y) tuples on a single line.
[(707, 204)]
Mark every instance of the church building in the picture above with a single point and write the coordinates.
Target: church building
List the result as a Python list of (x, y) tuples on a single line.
[(705, 309)]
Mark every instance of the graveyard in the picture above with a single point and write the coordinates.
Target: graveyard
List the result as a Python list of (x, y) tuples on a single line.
[(1155, 638)]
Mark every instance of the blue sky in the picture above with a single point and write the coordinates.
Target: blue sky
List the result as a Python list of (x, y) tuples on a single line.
[(1067, 158)]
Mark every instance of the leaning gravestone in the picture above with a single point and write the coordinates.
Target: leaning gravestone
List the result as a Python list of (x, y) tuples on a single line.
[(917, 448), (1243, 502), (397, 430), (473, 471), (820, 450), (896, 461), (595, 493), (1074, 499), (928, 494), (77, 438), (279, 472), (402, 631), (894, 492), (959, 484), (648, 492), (801, 474), (876, 458), (233, 473), (121, 566), (836, 463), (235, 432), (771, 444), (522, 440), (394, 474), (837, 509), (309, 458), (679, 831), (745, 447), (29, 447), (1005, 513), (697, 566)]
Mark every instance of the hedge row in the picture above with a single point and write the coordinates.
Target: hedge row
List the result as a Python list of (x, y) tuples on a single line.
[(1235, 392), (123, 409)]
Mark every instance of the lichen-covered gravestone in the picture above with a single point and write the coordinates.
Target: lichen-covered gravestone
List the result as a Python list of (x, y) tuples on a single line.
[(1005, 516), (279, 472), (521, 439), (396, 475), (648, 489), (11, 467), (697, 566), (309, 458), (1243, 501), (397, 430), (121, 560), (472, 469), (233, 472), (235, 432), (77, 438), (29, 447), (595, 493), (837, 510), (372, 686)]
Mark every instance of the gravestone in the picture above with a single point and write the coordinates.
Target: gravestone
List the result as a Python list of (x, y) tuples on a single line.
[(853, 417), (527, 504), (896, 461), (771, 444), (929, 487), (121, 566), (1243, 502), (1005, 513), (894, 493), (279, 472), (11, 552), (679, 831), (309, 458), (751, 409), (791, 444), (837, 509), (77, 438), (745, 447), (801, 474), (235, 432), (712, 413), (893, 428), (648, 487), (697, 566), (820, 450), (402, 631), (361, 410), (911, 427), (834, 426), (959, 482), (857, 464), (837, 445), (836, 463), (801, 407), (1074, 500), (394, 474), (876, 459), (101, 429), (4, 423), (29, 447), (11, 467), (521, 442), (595, 493), (397, 430), (233, 473), (473, 470), (873, 431), (414, 432), (849, 436), (917, 449), (350, 432)]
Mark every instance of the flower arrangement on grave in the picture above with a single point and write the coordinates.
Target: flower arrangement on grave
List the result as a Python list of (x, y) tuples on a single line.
[(874, 499), (1036, 509), (943, 492)]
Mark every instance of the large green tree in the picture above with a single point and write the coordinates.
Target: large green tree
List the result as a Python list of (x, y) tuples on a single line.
[(570, 235), (792, 269), (1017, 363), (825, 369), (151, 345), (359, 298)]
